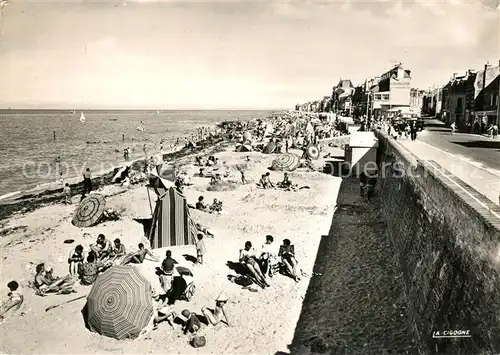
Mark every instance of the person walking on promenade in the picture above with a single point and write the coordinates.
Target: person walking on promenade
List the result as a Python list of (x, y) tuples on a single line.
[(453, 127), (413, 131), (87, 182)]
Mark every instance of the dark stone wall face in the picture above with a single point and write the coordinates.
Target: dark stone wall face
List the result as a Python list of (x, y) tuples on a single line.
[(448, 253)]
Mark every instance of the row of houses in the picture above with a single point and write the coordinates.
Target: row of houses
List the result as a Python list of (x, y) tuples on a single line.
[(471, 100), (386, 94)]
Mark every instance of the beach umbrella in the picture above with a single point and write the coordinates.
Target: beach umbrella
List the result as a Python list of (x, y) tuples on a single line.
[(89, 211), (312, 151), (286, 162), (166, 171), (120, 303)]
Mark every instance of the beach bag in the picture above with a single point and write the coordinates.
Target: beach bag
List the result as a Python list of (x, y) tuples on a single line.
[(198, 342)]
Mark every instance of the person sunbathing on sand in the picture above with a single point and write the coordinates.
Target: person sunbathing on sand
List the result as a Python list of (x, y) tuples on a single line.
[(16, 299), (102, 247), (138, 257), (205, 231), (164, 312), (287, 254), (219, 313), (249, 260), (46, 284)]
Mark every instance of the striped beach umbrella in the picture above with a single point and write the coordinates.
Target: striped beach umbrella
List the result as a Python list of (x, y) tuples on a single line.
[(120, 303), (312, 151), (89, 211), (285, 162)]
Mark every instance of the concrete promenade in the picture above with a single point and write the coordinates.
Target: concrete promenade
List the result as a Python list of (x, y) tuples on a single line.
[(485, 181)]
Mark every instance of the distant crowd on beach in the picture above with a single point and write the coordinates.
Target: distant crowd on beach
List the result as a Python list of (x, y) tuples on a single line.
[(257, 265)]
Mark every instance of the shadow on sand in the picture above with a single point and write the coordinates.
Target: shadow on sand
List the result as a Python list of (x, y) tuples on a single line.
[(480, 144), (146, 224)]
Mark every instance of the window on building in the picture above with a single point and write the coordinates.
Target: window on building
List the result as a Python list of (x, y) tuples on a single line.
[(378, 97), (385, 97), (460, 103), (493, 100)]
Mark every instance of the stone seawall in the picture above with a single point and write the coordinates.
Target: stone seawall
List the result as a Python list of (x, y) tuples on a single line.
[(447, 240)]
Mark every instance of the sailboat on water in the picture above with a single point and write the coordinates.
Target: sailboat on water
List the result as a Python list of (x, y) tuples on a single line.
[(82, 117)]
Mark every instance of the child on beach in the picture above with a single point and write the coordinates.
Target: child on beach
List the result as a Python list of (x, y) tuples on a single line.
[(16, 299), (67, 194), (200, 249)]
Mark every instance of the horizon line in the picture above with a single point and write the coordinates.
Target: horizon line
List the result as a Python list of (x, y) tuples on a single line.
[(138, 109)]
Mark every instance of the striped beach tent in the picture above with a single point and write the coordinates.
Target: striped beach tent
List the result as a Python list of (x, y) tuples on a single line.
[(172, 224)]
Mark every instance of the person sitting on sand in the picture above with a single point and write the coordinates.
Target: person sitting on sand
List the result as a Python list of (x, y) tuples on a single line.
[(219, 313), (263, 182), (216, 206), (191, 323), (118, 250), (75, 258), (287, 254), (202, 172), (138, 257), (101, 248), (200, 205), (89, 270), (286, 183), (267, 179), (249, 260), (16, 299), (167, 267), (269, 256)]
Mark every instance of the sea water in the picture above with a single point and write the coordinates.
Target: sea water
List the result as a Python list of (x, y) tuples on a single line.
[(28, 150)]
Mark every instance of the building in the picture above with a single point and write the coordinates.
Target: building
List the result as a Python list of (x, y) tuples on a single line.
[(485, 104), (459, 94), (342, 95), (416, 101), (391, 92)]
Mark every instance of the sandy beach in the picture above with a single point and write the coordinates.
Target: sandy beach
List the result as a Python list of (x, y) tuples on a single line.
[(262, 322)]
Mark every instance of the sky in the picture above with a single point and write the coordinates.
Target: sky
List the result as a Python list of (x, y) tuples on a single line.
[(230, 55)]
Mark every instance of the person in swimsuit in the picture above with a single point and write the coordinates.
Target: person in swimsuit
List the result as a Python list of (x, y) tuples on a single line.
[(75, 258), (16, 299), (249, 260), (287, 254), (164, 313), (102, 247), (47, 284), (118, 250), (219, 313), (138, 257)]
